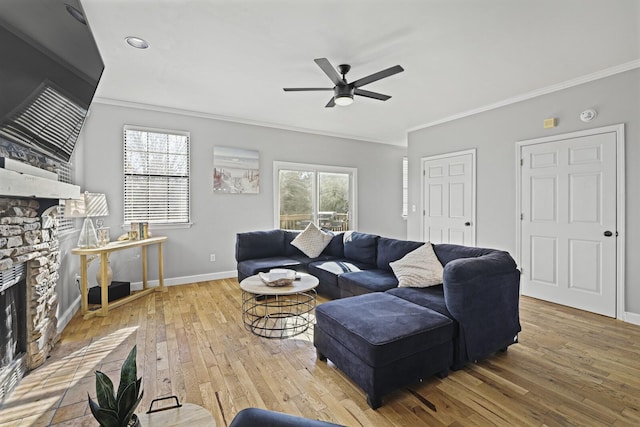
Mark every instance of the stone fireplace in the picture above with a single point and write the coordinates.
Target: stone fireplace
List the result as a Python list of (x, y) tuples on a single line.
[(29, 257)]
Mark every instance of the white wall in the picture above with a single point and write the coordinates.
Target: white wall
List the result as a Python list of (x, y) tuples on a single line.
[(494, 134), (217, 218)]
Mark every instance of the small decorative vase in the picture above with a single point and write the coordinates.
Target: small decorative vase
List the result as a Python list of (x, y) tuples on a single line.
[(109, 274)]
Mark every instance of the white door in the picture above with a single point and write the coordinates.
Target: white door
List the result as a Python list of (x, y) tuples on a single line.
[(568, 222), (449, 199)]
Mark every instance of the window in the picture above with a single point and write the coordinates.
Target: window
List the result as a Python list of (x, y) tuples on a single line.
[(324, 195), (156, 176), (405, 187)]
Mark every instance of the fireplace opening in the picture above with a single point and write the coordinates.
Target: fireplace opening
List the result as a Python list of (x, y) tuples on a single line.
[(13, 331), (13, 328)]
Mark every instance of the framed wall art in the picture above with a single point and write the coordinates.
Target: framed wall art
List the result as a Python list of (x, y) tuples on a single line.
[(236, 171)]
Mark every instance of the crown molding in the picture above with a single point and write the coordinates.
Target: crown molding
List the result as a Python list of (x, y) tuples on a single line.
[(607, 72), (210, 116)]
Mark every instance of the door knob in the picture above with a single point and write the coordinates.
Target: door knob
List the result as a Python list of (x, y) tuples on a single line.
[(467, 224), (608, 233)]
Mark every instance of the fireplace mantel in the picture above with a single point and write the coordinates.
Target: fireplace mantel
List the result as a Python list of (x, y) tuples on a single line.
[(18, 184)]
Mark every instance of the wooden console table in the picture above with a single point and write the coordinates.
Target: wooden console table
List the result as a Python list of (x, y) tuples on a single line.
[(103, 252)]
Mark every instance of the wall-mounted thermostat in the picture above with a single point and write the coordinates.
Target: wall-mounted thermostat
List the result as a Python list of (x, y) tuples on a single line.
[(588, 115)]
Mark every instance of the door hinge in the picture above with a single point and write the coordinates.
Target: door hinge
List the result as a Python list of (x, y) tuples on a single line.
[(424, 173), (521, 217), (521, 162)]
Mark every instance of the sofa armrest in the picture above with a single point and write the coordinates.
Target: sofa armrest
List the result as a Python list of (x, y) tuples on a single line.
[(259, 244), (482, 294)]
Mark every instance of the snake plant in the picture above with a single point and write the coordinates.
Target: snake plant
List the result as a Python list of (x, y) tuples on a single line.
[(117, 410)]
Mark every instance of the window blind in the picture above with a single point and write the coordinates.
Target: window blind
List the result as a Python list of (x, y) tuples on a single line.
[(156, 176)]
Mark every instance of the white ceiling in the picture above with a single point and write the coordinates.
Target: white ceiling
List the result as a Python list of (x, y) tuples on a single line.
[(231, 58)]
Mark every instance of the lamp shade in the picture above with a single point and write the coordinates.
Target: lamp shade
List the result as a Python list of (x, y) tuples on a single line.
[(90, 205), (96, 204)]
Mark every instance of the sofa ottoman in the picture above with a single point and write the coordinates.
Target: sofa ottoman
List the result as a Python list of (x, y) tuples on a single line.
[(383, 342)]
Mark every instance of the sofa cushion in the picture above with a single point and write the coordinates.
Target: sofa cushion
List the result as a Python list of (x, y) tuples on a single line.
[(259, 244), (254, 266), (328, 271), (289, 249), (448, 252), (366, 281), (431, 297), (336, 246), (312, 241), (419, 268), (390, 250), (360, 247), (381, 328)]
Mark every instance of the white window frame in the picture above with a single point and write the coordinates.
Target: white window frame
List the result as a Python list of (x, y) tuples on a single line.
[(405, 187), (158, 225), (315, 168)]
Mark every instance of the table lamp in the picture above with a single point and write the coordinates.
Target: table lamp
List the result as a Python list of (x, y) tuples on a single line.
[(90, 205)]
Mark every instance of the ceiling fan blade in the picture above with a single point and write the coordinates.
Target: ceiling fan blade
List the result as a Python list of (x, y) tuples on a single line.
[(301, 89), (377, 76), (329, 70), (331, 103), (369, 94)]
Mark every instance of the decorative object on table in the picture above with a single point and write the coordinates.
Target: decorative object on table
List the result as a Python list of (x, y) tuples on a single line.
[(116, 291), (278, 277), (89, 206), (117, 410), (103, 236), (109, 273), (139, 231), (134, 234), (236, 171)]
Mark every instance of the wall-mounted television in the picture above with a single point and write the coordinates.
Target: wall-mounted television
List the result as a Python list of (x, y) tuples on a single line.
[(50, 67)]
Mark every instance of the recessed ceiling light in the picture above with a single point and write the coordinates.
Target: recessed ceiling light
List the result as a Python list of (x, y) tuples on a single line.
[(75, 13), (137, 42)]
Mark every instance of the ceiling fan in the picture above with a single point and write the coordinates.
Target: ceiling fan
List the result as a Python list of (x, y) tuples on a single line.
[(343, 91)]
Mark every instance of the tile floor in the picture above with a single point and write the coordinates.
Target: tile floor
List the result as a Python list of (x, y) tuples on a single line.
[(55, 394)]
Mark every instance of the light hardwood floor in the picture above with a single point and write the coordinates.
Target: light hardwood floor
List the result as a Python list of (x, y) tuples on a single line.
[(570, 368)]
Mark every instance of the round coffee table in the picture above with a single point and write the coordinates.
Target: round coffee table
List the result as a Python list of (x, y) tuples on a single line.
[(278, 312)]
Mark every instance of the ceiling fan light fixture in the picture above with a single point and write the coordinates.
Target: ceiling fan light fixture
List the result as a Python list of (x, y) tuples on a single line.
[(343, 100)]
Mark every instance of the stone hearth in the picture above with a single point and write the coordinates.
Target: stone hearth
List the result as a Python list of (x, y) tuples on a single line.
[(28, 235)]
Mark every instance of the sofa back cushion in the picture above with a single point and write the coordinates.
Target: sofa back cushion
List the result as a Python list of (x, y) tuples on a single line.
[(259, 244), (360, 247), (289, 249), (390, 250), (336, 246)]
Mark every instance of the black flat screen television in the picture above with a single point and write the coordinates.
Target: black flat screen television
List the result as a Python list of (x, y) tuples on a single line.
[(50, 67)]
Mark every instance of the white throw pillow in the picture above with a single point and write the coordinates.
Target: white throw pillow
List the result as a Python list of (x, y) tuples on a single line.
[(419, 268), (312, 241)]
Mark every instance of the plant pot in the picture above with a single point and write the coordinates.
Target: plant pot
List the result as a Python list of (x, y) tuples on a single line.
[(134, 421)]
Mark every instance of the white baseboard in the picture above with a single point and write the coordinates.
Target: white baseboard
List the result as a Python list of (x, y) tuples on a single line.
[(174, 281), (632, 318), (65, 318)]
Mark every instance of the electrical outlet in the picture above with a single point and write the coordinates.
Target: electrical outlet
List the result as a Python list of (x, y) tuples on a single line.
[(212, 257)]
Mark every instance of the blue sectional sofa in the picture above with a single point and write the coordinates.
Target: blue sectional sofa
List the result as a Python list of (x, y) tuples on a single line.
[(476, 306)]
